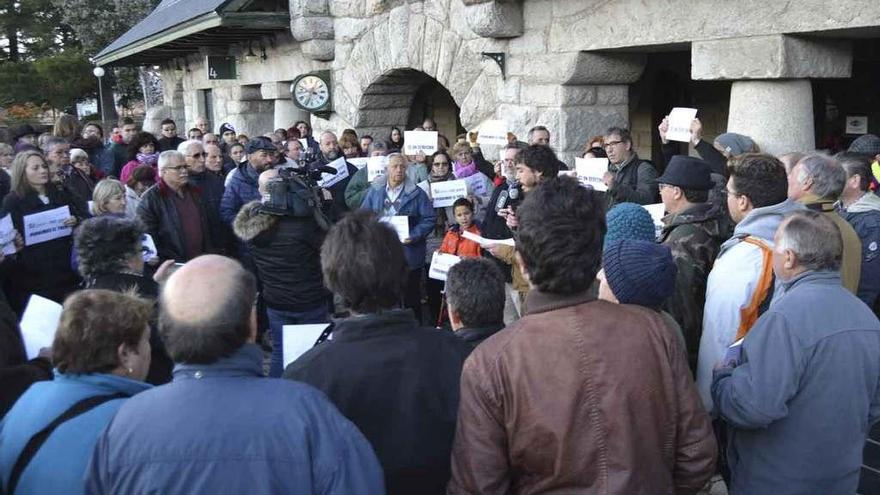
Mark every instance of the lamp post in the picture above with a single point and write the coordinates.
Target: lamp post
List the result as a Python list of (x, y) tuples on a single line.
[(99, 73)]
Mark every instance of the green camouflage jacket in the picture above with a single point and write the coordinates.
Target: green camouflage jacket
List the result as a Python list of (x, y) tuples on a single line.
[(695, 237)]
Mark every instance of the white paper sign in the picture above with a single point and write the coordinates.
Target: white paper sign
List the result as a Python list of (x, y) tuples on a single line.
[(298, 339), (493, 132), (440, 265), (591, 171), (328, 180), (7, 235), (148, 248), (445, 193), (376, 166), (39, 323), (400, 224), (476, 185), (46, 225), (483, 242), (856, 124), (657, 211), (359, 163), (419, 141), (680, 120)]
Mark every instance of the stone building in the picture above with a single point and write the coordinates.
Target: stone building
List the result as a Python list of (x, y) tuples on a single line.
[(786, 73)]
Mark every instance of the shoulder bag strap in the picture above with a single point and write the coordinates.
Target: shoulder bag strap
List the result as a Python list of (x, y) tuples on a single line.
[(37, 441), (758, 304)]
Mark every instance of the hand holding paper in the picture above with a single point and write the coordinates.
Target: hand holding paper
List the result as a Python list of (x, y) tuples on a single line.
[(680, 120)]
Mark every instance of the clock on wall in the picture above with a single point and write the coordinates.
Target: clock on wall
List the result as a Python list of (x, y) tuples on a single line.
[(311, 92)]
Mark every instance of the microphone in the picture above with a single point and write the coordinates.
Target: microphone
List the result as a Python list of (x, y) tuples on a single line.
[(508, 198), (324, 169)]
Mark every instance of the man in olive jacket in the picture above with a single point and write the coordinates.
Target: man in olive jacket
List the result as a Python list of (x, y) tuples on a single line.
[(693, 230), (622, 415)]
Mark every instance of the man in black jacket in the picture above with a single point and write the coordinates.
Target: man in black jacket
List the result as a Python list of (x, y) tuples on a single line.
[(329, 147), (212, 188), (286, 252), (629, 179), (173, 213)]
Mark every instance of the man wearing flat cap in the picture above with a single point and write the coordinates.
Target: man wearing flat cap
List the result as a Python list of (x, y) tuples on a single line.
[(242, 182), (694, 230)]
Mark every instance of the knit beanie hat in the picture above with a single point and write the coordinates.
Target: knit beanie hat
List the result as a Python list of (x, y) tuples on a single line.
[(736, 144), (629, 221), (639, 272), (226, 127), (868, 144)]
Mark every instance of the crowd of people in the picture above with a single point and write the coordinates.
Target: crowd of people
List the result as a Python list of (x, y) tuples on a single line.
[(578, 344)]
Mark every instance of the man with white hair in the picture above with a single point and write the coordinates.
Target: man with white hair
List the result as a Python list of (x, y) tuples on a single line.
[(816, 181), (211, 190), (799, 394), (173, 213)]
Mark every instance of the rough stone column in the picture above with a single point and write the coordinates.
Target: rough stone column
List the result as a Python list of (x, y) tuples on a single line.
[(311, 24), (495, 18), (772, 98), (286, 112), (778, 115)]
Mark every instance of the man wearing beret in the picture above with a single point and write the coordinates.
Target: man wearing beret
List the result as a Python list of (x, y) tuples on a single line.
[(693, 230)]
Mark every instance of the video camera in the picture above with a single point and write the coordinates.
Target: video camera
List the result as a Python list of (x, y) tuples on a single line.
[(296, 193)]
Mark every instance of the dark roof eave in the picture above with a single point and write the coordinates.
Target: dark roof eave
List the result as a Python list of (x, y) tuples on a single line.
[(259, 21)]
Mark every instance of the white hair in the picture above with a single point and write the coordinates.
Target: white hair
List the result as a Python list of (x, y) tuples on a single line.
[(77, 153), (167, 156), (182, 147)]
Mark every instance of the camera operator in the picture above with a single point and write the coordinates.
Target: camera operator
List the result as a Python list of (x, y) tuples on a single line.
[(286, 251), (330, 151), (534, 165)]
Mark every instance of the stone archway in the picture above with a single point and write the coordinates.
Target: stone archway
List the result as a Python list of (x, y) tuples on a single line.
[(391, 61)]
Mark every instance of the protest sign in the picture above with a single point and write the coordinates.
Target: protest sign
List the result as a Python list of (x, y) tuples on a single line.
[(46, 225), (856, 124), (493, 132), (7, 235), (148, 248), (359, 163), (415, 142), (445, 193), (400, 223), (476, 185), (483, 242), (39, 323), (440, 265), (376, 166), (679, 121), (328, 180), (298, 339), (657, 211), (591, 171)]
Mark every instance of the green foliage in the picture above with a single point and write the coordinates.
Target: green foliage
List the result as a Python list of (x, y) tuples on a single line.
[(98, 23), (33, 29), (65, 79)]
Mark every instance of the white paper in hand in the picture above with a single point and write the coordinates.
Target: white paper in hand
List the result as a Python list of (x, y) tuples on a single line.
[(419, 141), (445, 193), (657, 211), (493, 132), (341, 167), (680, 120), (440, 265), (483, 242), (358, 163), (7, 235), (376, 166), (400, 223), (39, 323), (46, 225), (148, 248), (298, 339), (591, 172)]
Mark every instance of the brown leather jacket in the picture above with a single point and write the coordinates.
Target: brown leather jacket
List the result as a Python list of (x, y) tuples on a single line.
[(581, 396)]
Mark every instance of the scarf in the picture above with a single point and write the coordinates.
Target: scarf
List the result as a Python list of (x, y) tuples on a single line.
[(148, 159), (462, 170), (439, 178)]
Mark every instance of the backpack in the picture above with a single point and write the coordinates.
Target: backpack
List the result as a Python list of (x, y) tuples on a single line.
[(763, 291)]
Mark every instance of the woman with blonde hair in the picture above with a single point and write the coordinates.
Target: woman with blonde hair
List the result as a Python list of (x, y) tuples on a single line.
[(108, 198)]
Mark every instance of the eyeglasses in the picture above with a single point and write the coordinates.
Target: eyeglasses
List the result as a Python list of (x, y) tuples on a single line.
[(445, 164), (198, 155), (609, 144), (178, 169)]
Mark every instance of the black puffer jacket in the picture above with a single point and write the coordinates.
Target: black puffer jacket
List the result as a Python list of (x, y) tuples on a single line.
[(287, 253)]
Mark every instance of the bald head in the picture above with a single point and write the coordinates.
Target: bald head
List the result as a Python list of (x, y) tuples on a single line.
[(207, 310), (265, 178)]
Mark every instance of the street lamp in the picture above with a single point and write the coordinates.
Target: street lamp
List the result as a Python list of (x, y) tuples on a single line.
[(99, 73)]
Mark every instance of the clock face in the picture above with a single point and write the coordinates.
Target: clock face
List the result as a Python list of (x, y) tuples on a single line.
[(311, 92)]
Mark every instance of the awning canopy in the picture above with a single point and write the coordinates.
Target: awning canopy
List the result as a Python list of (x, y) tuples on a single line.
[(180, 27)]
